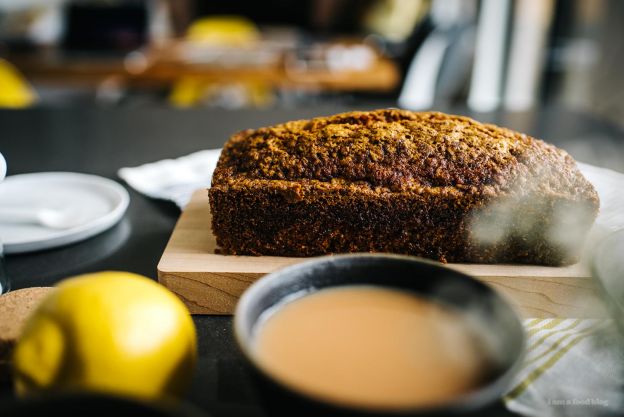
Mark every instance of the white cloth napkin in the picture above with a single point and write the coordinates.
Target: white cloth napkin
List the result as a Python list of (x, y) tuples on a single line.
[(573, 367), (173, 179)]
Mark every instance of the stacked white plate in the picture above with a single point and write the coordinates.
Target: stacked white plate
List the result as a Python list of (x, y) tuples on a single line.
[(93, 204)]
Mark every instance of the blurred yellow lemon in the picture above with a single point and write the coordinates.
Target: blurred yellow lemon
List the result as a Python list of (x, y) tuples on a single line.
[(223, 31), (15, 92), (113, 332)]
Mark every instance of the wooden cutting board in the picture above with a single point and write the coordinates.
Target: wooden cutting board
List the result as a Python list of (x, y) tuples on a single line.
[(211, 283)]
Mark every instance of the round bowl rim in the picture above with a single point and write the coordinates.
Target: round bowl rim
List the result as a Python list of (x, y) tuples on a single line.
[(483, 395)]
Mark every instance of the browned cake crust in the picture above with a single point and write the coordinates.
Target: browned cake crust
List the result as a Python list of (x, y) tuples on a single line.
[(428, 184)]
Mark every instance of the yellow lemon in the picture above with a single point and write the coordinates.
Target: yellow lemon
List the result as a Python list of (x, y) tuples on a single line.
[(113, 332)]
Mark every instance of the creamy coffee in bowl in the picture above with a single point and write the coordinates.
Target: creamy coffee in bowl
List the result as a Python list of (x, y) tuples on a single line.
[(371, 347)]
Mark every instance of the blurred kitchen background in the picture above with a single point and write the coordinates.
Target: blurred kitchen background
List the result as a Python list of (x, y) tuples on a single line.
[(487, 55)]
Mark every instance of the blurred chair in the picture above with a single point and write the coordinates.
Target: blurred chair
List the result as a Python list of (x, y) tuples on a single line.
[(15, 91), (497, 54), (442, 62)]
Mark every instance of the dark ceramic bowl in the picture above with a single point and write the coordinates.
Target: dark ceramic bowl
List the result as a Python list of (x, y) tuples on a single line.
[(427, 278)]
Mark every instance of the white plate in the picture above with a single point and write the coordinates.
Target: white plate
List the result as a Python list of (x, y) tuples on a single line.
[(100, 201)]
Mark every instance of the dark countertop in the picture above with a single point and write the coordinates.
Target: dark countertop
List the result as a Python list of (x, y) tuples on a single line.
[(100, 141)]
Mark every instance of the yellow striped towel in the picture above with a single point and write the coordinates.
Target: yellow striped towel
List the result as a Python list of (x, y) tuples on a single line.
[(572, 367)]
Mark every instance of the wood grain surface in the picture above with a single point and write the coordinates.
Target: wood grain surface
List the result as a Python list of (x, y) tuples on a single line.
[(211, 283)]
